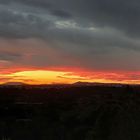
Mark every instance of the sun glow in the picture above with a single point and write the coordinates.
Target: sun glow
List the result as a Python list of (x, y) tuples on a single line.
[(42, 77), (67, 77)]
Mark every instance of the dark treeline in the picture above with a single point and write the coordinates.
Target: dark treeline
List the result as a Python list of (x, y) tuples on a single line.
[(70, 112)]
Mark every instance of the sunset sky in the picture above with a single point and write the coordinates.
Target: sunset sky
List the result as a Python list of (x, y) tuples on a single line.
[(65, 41)]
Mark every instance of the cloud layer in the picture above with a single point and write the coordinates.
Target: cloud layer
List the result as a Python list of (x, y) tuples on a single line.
[(95, 35)]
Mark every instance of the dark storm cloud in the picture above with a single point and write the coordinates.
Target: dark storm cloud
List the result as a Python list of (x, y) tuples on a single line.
[(16, 23), (61, 14), (9, 56), (122, 15), (35, 3), (99, 34)]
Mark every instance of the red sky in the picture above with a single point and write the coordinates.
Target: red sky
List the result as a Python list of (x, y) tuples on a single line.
[(35, 61), (66, 75), (68, 41)]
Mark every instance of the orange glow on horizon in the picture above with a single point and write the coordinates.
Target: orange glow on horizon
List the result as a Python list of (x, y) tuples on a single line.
[(67, 77)]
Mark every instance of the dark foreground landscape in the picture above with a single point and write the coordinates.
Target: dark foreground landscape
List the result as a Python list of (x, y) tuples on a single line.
[(64, 112)]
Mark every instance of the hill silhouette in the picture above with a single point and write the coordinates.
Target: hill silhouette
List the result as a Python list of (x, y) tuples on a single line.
[(14, 83)]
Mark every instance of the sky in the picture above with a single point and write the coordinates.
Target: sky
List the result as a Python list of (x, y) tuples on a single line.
[(64, 41)]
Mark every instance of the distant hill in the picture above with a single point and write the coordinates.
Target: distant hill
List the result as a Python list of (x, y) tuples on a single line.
[(79, 83), (87, 83), (82, 83), (14, 84)]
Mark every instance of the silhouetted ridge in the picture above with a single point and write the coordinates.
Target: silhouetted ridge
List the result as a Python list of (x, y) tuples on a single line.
[(15, 83)]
